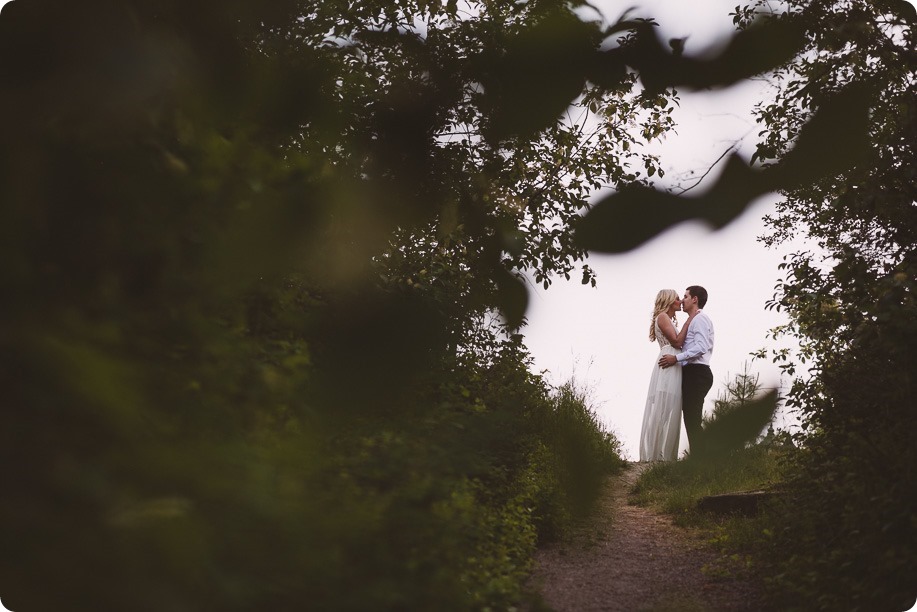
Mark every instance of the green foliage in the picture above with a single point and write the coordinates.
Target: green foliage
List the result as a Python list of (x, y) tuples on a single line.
[(739, 416), (474, 167), (222, 391), (576, 429), (494, 449), (738, 392), (583, 455), (430, 498), (846, 539)]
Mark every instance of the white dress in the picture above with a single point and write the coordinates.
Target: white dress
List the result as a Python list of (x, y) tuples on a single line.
[(662, 416)]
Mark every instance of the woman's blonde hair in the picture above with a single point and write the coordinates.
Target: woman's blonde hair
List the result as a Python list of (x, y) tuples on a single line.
[(664, 299)]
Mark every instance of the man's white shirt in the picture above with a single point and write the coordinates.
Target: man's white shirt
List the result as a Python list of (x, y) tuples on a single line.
[(698, 346)]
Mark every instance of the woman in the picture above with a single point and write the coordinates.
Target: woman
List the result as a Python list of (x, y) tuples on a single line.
[(662, 417)]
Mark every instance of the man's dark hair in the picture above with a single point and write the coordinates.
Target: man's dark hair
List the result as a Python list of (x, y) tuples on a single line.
[(700, 293)]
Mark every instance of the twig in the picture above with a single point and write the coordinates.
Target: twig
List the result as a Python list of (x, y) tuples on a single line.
[(710, 169)]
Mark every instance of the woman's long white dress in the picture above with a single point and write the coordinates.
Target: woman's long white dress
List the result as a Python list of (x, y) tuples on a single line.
[(662, 416)]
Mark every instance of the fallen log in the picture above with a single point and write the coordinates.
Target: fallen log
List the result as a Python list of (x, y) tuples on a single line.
[(741, 502)]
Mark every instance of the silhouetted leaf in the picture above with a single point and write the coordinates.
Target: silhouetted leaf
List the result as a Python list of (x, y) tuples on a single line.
[(752, 51), (748, 53), (607, 69), (541, 72), (734, 191), (834, 140), (627, 219), (282, 93), (737, 427), (512, 297)]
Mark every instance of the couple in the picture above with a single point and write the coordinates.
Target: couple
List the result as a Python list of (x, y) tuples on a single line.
[(681, 377)]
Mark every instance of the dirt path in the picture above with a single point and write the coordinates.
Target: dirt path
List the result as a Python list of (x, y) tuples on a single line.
[(634, 559)]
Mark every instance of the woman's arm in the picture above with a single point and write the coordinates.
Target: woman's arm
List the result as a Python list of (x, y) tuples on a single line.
[(680, 340), (668, 330)]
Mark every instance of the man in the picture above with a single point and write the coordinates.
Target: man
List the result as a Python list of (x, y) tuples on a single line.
[(696, 377)]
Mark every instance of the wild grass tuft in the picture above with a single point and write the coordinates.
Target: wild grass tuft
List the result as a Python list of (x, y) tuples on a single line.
[(577, 455), (676, 488)]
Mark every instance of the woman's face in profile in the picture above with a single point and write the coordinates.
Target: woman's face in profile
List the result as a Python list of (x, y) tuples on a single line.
[(674, 306)]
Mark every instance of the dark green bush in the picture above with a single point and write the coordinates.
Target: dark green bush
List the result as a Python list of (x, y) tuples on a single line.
[(227, 478), (845, 536)]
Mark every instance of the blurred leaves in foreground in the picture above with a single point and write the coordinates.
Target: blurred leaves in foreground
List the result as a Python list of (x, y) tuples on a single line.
[(251, 255), (834, 141)]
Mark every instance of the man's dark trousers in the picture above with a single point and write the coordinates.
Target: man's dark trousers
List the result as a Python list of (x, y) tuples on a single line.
[(696, 380)]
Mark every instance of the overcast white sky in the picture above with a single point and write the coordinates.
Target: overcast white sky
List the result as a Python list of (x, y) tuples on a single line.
[(601, 334)]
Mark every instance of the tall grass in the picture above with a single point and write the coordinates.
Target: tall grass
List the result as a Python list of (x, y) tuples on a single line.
[(576, 456), (590, 451)]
